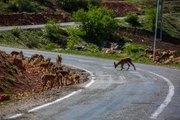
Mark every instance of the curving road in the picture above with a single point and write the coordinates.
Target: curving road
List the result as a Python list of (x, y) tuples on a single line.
[(151, 92)]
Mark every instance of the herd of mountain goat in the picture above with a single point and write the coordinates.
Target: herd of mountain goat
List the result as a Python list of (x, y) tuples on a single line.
[(52, 73)]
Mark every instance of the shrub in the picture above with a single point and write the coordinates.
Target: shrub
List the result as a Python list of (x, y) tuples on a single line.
[(133, 48), (133, 19), (98, 23), (93, 48), (150, 16), (50, 46)]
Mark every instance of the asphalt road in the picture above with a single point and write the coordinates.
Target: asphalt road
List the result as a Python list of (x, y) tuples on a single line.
[(150, 92), (6, 28)]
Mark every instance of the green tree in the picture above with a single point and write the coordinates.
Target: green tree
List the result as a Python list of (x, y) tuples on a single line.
[(98, 23)]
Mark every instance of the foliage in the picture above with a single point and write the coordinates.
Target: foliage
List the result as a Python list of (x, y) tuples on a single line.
[(50, 46), (130, 48), (55, 33), (150, 16), (133, 19), (93, 48), (76, 31), (98, 23), (75, 40), (74, 5)]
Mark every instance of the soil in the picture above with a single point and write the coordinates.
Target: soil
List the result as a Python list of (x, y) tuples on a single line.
[(121, 8), (32, 18)]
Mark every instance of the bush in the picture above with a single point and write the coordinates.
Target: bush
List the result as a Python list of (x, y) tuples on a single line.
[(76, 32), (98, 23), (93, 48), (50, 46), (150, 17), (133, 48), (133, 19)]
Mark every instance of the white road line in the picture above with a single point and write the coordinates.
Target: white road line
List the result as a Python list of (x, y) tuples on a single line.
[(107, 67), (85, 61), (168, 97), (15, 116), (56, 101), (89, 84)]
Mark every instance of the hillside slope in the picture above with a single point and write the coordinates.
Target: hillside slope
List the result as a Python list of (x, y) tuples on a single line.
[(14, 81)]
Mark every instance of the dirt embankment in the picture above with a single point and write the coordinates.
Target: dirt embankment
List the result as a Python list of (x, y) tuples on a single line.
[(32, 18), (121, 8)]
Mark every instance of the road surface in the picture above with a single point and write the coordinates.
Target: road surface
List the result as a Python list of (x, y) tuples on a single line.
[(150, 92), (6, 28)]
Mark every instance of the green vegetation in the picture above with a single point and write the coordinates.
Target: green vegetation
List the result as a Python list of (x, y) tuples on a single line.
[(54, 33), (99, 25), (23, 39), (150, 19), (133, 20)]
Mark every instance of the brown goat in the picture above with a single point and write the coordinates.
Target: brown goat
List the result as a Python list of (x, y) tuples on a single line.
[(16, 53), (48, 77), (58, 60), (33, 57), (127, 61), (59, 79), (65, 75), (19, 63), (38, 59), (74, 78)]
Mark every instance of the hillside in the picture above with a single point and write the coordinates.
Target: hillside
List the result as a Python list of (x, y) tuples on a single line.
[(14, 81)]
